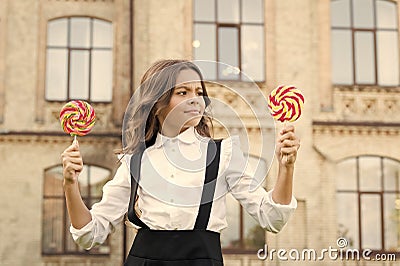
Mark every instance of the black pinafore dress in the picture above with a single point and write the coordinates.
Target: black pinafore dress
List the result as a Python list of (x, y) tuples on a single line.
[(197, 247)]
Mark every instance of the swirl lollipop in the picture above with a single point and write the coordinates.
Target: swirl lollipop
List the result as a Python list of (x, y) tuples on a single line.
[(77, 118), (285, 104)]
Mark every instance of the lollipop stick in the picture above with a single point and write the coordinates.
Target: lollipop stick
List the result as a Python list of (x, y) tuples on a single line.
[(74, 138), (285, 156)]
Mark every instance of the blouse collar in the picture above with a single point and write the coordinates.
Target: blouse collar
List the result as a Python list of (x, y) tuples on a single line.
[(188, 136)]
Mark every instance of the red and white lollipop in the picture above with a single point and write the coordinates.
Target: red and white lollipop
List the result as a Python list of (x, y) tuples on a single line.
[(77, 118)]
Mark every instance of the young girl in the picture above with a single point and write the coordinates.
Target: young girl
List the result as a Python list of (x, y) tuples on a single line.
[(173, 177)]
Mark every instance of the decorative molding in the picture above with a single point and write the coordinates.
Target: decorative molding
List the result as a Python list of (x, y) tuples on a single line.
[(356, 129)]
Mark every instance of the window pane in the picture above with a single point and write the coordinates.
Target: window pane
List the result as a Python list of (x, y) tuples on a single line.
[(340, 13), (204, 10), (79, 75), (388, 58), (102, 34), (57, 32), (56, 74), (392, 222), (101, 79), (347, 211), (254, 234), (252, 11), (365, 53), (342, 57), (370, 173), (52, 233), (371, 222), (230, 236), (346, 175), (228, 11), (391, 172), (53, 180), (228, 48), (204, 46), (386, 15), (84, 179), (98, 177), (363, 13), (80, 32), (252, 40)]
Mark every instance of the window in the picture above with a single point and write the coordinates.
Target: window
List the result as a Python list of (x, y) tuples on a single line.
[(368, 200), (79, 61), (365, 49), (243, 232), (230, 32), (56, 238)]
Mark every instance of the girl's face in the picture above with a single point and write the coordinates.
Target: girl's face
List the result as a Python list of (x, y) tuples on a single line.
[(186, 106)]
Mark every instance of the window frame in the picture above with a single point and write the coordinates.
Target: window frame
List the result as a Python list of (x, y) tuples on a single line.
[(238, 26), (381, 193), (65, 224), (374, 31), (90, 50)]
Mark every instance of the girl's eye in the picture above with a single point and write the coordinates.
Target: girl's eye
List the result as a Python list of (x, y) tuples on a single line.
[(200, 93), (181, 93)]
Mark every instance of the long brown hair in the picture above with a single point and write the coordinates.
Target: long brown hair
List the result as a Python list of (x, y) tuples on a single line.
[(154, 93)]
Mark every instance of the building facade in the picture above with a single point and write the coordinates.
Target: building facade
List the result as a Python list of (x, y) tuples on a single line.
[(343, 55)]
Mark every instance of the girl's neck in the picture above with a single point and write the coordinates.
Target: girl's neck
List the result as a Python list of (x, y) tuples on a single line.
[(172, 132)]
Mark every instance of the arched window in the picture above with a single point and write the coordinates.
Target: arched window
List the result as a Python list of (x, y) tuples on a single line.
[(79, 61), (368, 202), (365, 49), (243, 234), (230, 32), (56, 238)]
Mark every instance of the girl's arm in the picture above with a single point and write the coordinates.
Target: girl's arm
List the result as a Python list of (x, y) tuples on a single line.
[(286, 153), (72, 166)]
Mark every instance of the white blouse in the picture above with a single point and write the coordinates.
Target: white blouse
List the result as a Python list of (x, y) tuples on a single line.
[(171, 183)]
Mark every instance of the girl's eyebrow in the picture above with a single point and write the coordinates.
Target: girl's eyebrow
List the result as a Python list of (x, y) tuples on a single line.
[(186, 87)]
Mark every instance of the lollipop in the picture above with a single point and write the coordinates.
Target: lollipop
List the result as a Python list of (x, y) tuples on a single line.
[(77, 118), (285, 103)]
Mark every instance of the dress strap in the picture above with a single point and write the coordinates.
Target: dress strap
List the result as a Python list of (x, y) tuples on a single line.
[(212, 165), (135, 176)]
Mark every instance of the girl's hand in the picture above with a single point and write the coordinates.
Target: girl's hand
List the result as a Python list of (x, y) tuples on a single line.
[(72, 163), (287, 146)]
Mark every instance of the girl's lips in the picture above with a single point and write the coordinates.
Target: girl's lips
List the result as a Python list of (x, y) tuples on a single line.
[(197, 112)]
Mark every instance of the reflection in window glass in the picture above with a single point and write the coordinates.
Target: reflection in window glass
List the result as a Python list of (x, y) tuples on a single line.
[(80, 33), (204, 10), (57, 32), (364, 57), (228, 53), (340, 13), (342, 57), (346, 175), (391, 206), (101, 67), (79, 74), (252, 11), (252, 52), (371, 221), (347, 209), (363, 13), (386, 15), (228, 11), (102, 34), (56, 74), (370, 173), (387, 55)]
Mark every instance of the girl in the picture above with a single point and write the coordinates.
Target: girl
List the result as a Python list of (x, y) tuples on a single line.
[(173, 176)]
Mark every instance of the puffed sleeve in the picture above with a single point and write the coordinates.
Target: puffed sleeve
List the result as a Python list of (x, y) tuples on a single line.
[(258, 203), (107, 213)]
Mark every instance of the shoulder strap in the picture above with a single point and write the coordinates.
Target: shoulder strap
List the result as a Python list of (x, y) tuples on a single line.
[(135, 176), (213, 158)]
